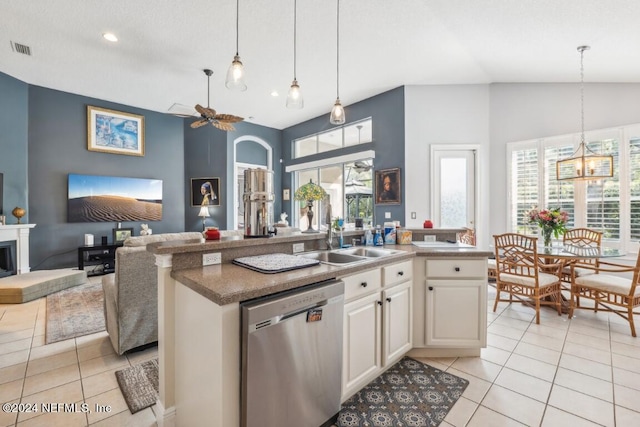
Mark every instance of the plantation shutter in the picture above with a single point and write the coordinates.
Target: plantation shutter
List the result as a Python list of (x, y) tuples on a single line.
[(524, 186), (603, 196), (634, 188), (558, 194)]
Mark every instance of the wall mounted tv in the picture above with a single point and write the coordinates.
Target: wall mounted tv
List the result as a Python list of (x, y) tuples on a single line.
[(93, 198)]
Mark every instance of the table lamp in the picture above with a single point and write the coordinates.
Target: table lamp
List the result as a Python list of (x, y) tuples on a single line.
[(309, 193), (204, 213)]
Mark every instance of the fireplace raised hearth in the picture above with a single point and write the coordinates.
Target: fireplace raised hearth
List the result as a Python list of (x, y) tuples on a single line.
[(8, 266)]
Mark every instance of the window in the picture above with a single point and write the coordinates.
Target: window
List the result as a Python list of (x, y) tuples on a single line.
[(344, 136), (609, 205), (349, 188)]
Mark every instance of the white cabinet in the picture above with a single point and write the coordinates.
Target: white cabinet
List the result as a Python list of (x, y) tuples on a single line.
[(450, 307), (361, 342), (377, 323)]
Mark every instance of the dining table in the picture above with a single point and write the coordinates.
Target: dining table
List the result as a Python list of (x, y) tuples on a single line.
[(567, 254)]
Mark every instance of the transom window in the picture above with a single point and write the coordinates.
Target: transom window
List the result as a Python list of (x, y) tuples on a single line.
[(352, 134)]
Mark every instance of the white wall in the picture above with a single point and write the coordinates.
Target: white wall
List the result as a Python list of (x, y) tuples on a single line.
[(527, 111), (449, 114)]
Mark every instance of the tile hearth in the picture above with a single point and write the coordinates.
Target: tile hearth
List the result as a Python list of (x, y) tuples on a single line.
[(579, 372)]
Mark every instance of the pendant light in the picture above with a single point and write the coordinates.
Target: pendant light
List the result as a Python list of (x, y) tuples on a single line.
[(337, 113), (584, 164), (294, 97), (235, 74)]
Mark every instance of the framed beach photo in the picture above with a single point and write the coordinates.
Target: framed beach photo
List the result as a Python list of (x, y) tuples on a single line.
[(115, 132), (205, 191), (120, 234), (388, 188)]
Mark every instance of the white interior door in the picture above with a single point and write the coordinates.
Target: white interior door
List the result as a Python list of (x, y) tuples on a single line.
[(454, 187)]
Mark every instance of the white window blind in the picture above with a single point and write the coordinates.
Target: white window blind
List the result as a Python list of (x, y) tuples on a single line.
[(603, 195), (558, 194), (634, 188), (524, 185)]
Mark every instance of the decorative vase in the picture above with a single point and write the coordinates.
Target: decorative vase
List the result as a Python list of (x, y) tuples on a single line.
[(18, 213), (546, 235), (427, 224)]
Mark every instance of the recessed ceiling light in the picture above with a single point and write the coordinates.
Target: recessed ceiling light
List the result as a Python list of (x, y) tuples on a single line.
[(110, 36), (274, 93)]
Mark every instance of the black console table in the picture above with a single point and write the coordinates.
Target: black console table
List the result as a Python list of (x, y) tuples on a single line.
[(102, 257)]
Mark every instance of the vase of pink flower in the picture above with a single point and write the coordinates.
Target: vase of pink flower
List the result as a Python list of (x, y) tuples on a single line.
[(551, 222)]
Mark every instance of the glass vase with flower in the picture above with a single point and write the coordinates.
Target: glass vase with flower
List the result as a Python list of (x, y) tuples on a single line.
[(552, 222)]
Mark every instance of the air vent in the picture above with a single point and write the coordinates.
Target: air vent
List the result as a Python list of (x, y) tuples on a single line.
[(21, 48)]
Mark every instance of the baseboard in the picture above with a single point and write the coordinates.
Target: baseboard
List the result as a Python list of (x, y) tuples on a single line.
[(165, 417), (444, 352)]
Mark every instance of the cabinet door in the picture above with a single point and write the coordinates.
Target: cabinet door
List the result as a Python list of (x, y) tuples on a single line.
[(456, 313), (397, 318), (361, 343)]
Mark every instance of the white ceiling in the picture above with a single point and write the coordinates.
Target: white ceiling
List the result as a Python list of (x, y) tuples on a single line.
[(164, 45)]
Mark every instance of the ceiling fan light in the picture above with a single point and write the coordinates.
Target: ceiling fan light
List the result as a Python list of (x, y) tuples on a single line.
[(294, 97), (337, 113), (235, 75)]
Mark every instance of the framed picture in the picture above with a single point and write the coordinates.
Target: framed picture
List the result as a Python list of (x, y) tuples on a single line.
[(205, 191), (388, 188), (115, 132), (120, 234)]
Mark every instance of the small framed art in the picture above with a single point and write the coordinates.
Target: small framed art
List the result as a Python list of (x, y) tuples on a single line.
[(115, 132), (388, 188), (120, 234), (205, 192)]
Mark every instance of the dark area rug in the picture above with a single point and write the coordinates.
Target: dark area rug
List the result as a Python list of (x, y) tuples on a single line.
[(74, 312), (139, 385), (410, 393)]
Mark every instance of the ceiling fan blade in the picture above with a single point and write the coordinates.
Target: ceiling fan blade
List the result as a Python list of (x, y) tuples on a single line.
[(223, 126), (199, 123), (200, 109), (209, 112), (229, 118)]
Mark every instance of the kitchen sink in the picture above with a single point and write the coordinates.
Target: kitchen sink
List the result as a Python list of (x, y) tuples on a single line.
[(348, 256), (333, 257), (369, 252)]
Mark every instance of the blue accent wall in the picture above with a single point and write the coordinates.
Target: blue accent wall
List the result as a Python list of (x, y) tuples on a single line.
[(13, 144), (387, 112), (58, 146)]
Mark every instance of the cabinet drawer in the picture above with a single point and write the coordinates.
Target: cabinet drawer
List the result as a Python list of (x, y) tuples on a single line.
[(462, 268), (361, 283), (397, 273)]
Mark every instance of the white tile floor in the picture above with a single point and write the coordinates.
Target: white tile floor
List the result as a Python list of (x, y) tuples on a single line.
[(579, 372)]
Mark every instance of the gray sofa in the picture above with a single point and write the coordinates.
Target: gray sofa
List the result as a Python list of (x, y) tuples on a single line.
[(131, 292)]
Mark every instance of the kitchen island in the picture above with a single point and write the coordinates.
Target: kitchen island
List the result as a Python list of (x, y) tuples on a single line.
[(199, 316)]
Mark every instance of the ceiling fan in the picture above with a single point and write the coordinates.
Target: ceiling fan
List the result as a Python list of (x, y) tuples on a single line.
[(209, 115)]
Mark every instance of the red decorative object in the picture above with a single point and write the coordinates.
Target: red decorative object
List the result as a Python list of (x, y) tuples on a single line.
[(212, 234), (427, 224)]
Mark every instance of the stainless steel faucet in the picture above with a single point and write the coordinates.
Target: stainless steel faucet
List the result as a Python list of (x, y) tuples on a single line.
[(330, 237)]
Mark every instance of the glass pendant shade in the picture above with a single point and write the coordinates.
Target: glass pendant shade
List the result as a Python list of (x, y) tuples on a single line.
[(337, 114), (294, 97), (235, 75)]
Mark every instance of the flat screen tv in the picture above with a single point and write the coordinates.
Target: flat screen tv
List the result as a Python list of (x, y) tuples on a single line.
[(93, 198)]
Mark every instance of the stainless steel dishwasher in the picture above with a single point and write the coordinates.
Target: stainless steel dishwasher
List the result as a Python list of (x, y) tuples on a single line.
[(292, 357)]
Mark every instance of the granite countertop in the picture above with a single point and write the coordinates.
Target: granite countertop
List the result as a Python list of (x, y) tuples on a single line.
[(229, 283)]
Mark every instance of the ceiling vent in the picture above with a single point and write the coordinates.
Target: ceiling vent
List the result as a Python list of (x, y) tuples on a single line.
[(21, 48)]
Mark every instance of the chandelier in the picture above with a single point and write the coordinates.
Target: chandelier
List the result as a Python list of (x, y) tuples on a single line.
[(584, 164)]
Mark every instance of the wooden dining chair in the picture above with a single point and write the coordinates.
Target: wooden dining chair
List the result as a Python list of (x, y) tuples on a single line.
[(581, 237), (518, 274), (609, 292), (467, 237)]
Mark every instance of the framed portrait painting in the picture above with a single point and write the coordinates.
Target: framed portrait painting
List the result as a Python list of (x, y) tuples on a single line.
[(115, 132), (121, 234), (388, 187), (205, 191)]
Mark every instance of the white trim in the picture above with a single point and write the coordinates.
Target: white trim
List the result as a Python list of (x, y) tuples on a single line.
[(478, 201), (165, 417), (346, 158)]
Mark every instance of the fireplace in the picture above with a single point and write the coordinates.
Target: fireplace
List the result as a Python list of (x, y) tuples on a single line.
[(8, 266)]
